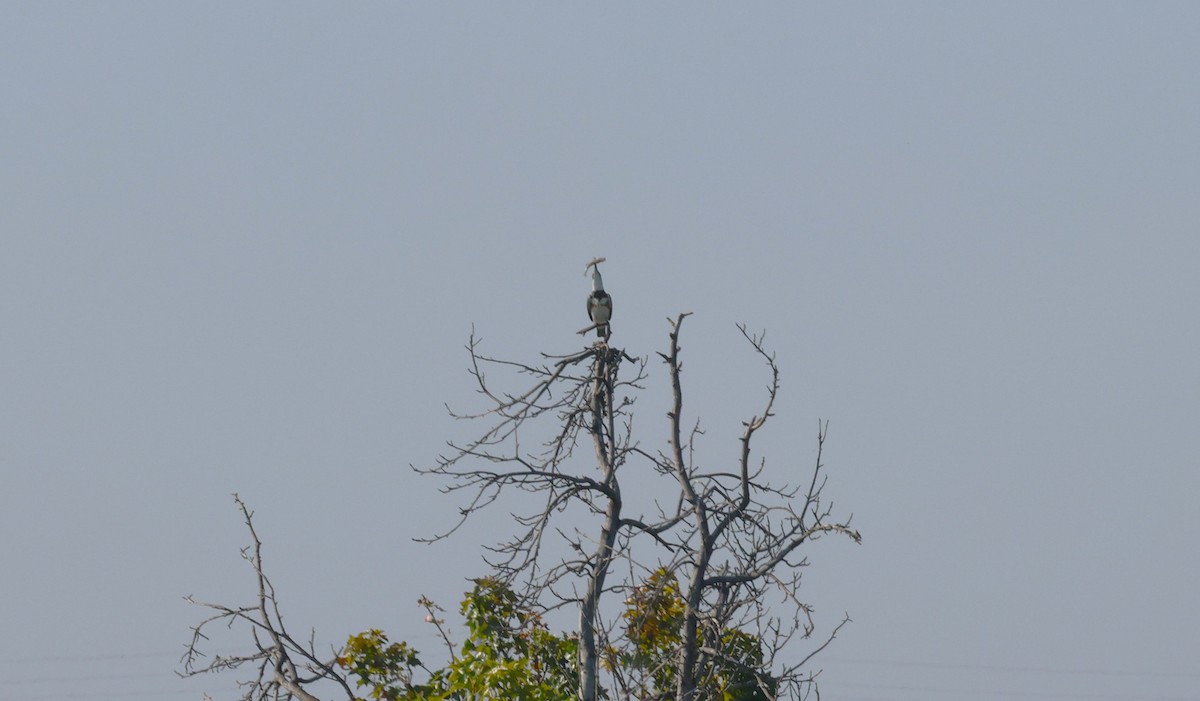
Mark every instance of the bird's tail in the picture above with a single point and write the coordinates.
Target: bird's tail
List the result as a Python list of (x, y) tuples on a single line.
[(601, 330)]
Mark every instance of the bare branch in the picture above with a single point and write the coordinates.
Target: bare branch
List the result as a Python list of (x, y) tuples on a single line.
[(276, 653)]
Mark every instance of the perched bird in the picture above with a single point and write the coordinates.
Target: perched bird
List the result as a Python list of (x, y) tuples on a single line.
[(599, 303)]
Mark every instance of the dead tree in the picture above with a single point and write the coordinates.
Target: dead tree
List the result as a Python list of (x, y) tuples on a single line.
[(729, 535), (732, 535)]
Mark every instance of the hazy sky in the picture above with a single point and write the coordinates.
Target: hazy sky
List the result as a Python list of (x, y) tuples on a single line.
[(243, 246)]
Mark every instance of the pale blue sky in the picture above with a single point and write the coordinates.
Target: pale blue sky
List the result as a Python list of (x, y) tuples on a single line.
[(244, 245)]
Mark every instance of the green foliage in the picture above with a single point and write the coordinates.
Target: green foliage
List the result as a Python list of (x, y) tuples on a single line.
[(654, 614), (385, 667), (654, 620), (508, 654)]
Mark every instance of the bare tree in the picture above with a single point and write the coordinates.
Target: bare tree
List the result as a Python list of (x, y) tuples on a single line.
[(731, 537)]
